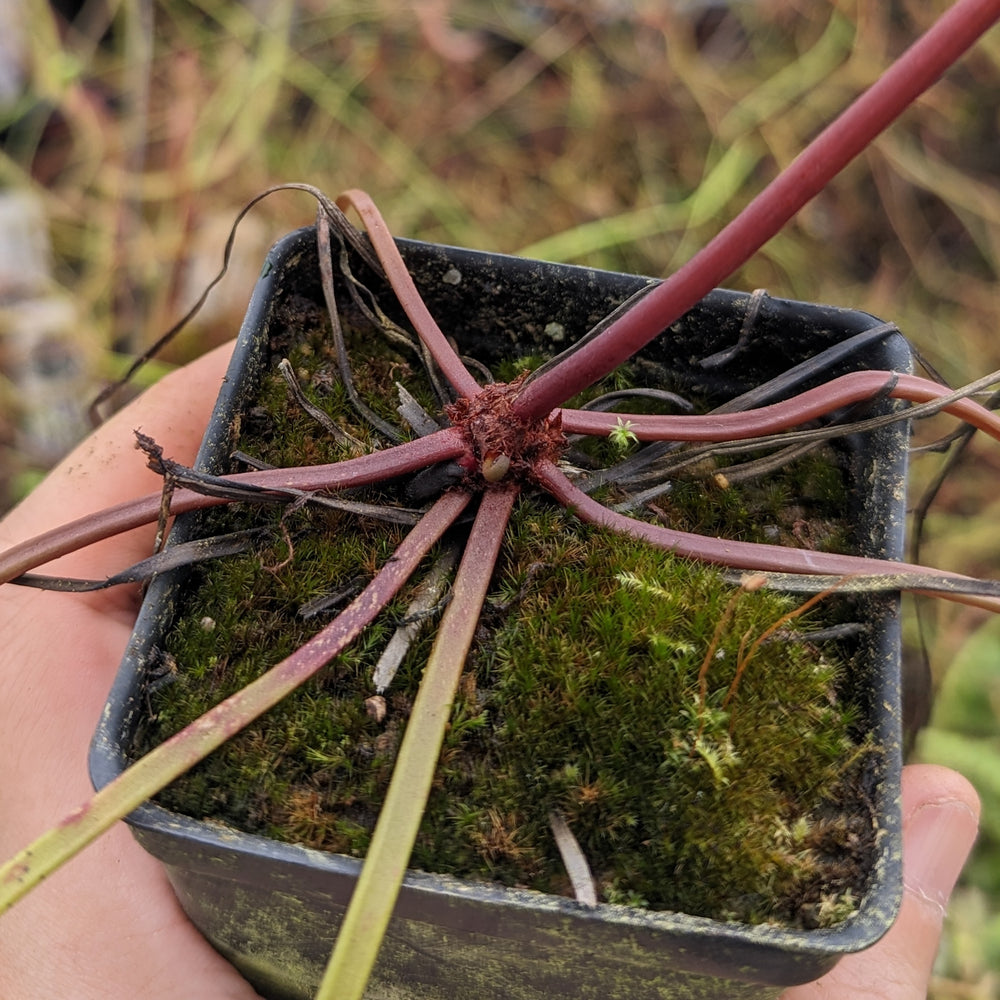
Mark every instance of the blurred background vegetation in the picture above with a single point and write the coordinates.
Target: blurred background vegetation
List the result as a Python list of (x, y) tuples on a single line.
[(615, 133)]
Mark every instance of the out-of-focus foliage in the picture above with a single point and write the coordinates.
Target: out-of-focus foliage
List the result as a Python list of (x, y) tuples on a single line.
[(965, 734)]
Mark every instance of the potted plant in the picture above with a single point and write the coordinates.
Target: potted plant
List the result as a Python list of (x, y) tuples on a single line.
[(273, 907), (504, 438)]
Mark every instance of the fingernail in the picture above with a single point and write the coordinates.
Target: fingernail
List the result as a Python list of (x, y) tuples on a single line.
[(939, 837)]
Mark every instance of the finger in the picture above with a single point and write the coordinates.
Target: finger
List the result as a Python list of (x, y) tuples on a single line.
[(940, 822), (106, 468), (61, 650), (55, 668)]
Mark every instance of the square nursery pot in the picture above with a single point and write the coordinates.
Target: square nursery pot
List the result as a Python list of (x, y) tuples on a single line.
[(272, 908)]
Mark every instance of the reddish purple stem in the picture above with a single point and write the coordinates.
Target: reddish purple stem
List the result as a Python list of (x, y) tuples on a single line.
[(362, 471), (406, 291), (754, 556), (822, 160), (851, 388)]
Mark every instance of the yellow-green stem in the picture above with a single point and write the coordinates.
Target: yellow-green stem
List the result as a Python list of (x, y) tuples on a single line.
[(374, 898)]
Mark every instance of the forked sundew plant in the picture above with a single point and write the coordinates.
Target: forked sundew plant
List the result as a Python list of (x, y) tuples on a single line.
[(503, 440)]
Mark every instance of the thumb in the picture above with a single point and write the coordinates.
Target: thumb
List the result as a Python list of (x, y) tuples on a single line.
[(940, 822)]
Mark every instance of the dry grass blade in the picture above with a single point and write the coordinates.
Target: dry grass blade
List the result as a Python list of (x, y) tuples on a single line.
[(182, 554), (426, 599), (574, 859), (322, 418)]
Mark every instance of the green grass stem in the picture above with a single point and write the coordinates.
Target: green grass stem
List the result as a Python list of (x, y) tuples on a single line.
[(370, 909)]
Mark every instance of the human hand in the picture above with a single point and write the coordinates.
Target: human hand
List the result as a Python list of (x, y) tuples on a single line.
[(940, 821), (107, 925)]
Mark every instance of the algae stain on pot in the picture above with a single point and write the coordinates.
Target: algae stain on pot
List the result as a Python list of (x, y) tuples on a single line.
[(255, 938)]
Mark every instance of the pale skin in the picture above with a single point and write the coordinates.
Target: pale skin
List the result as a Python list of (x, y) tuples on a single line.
[(107, 926)]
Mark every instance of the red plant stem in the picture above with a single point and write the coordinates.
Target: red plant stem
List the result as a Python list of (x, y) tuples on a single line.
[(362, 471), (851, 388), (346, 627), (744, 555), (409, 298), (806, 176)]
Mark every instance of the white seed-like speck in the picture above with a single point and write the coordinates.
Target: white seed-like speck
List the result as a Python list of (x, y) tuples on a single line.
[(495, 467)]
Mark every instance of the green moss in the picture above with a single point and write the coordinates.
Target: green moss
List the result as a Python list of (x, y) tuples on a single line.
[(596, 710), (588, 692)]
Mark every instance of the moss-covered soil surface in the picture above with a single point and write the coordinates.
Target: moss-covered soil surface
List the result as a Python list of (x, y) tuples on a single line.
[(611, 683)]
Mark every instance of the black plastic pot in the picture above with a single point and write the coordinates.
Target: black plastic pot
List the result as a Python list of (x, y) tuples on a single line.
[(273, 909)]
